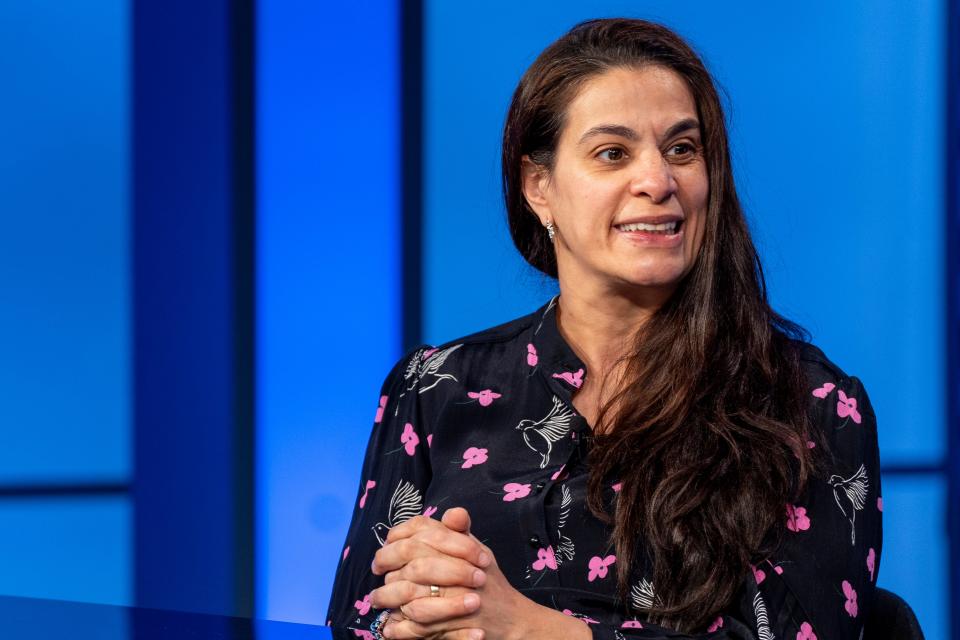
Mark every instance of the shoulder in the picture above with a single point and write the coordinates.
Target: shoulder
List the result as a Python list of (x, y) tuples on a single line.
[(505, 332), (824, 378)]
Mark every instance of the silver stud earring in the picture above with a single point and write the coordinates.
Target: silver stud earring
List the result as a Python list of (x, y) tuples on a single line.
[(550, 231)]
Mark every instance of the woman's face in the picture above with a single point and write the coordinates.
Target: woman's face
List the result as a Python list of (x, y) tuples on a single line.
[(629, 156)]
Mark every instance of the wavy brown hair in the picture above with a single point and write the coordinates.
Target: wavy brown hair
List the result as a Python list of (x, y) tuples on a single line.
[(708, 429)]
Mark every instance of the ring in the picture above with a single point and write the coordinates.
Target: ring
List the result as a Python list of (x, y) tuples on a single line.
[(434, 591)]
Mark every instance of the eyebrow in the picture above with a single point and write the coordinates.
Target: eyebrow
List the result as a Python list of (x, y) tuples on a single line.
[(626, 132)]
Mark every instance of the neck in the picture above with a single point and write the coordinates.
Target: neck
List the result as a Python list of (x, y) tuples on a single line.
[(600, 326)]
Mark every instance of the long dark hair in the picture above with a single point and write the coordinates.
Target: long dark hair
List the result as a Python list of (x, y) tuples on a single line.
[(708, 431)]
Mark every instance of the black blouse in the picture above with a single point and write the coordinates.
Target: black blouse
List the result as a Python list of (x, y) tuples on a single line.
[(486, 422)]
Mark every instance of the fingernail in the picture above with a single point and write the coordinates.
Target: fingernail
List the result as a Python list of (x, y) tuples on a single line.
[(471, 601), (484, 559), (387, 631), (479, 577), (476, 635)]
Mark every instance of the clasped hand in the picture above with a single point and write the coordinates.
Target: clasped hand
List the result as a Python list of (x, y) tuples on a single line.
[(476, 601)]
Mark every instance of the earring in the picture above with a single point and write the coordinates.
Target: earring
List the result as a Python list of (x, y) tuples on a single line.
[(550, 231)]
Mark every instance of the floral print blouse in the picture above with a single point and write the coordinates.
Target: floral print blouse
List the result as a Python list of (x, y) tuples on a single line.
[(486, 422)]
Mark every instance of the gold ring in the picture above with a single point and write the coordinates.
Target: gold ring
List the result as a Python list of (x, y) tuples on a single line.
[(434, 591)]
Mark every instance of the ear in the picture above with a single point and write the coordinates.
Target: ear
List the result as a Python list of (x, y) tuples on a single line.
[(535, 179)]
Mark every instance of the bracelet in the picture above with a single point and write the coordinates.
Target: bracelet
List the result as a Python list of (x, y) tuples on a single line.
[(376, 627)]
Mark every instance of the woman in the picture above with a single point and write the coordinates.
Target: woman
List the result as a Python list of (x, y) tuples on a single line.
[(655, 452)]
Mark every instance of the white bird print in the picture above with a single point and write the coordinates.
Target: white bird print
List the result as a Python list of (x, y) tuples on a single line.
[(642, 595), (541, 435), (763, 624), (419, 367), (405, 503), (852, 491), (565, 548)]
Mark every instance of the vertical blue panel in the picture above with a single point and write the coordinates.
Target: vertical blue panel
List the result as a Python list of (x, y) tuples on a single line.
[(68, 549), (328, 280), (914, 560), (64, 303), (836, 134)]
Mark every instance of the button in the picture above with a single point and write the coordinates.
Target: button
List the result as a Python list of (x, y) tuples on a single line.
[(538, 487), (535, 541)]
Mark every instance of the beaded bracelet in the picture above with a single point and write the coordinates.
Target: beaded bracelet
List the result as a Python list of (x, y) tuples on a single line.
[(376, 627)]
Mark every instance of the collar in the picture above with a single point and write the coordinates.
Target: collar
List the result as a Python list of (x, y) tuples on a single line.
[(555, 360)]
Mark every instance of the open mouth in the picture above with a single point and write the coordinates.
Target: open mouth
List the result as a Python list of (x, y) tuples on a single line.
[(664, 229)]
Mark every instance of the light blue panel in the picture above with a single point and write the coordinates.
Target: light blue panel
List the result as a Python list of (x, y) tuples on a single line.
[(328, 317), (836, 118), (914, 562), (66, 548), (64, 282)]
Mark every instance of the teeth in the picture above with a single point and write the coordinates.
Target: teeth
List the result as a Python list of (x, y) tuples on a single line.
[(666, 227)]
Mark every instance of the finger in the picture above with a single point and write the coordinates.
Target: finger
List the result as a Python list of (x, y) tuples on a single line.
[(399, 592), (464, 634), (410, 629), (456, 544), (457, 519), (409, 527), (431, 610), (444, 571), (394, 555)]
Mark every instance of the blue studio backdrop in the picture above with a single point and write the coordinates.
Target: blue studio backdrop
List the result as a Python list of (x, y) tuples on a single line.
[(221, 224)]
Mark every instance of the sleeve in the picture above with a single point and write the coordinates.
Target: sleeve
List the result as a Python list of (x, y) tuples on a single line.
[(821, 581), (395, 474)]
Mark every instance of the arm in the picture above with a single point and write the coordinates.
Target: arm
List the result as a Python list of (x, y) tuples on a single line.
[(394, 477)]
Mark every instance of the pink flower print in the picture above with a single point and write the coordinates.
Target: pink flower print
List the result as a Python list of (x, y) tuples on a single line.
[(383, 405), (428, 353), (545, 560), (559, 471), (370, 485), (811, 444), (362, 633), (346, 552), (758, 574), (531, 355), (879, 503), (573, 378), (847, 407), (716, 624), (806, 632), (363, 606), (797, 518), (515, 491), (599, 566), (616, 487), (778, 570), (473, 456), (429, 440), (429, 511), (822, 392), (486, 397), (410, 439), (871, 561), (851, 604), (631, 624)]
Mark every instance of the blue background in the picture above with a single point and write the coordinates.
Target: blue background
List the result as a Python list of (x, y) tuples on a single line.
[(836, 116)]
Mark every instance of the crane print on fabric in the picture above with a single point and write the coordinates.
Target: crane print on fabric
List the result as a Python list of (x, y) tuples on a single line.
[(424, 365), (541, 434), (547, 557), (850, 495), (763, 622), (405, 503), (642, 595)]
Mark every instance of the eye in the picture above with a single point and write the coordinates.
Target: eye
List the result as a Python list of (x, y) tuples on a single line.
[(682, 150), (613, 154)]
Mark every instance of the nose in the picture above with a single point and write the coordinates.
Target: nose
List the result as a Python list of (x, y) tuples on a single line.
[(653, 177)]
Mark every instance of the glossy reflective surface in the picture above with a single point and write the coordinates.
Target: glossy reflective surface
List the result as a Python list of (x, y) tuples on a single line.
[(37, 619)]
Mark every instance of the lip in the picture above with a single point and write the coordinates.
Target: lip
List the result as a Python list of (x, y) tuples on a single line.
[(651, 220), (648, 239)]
